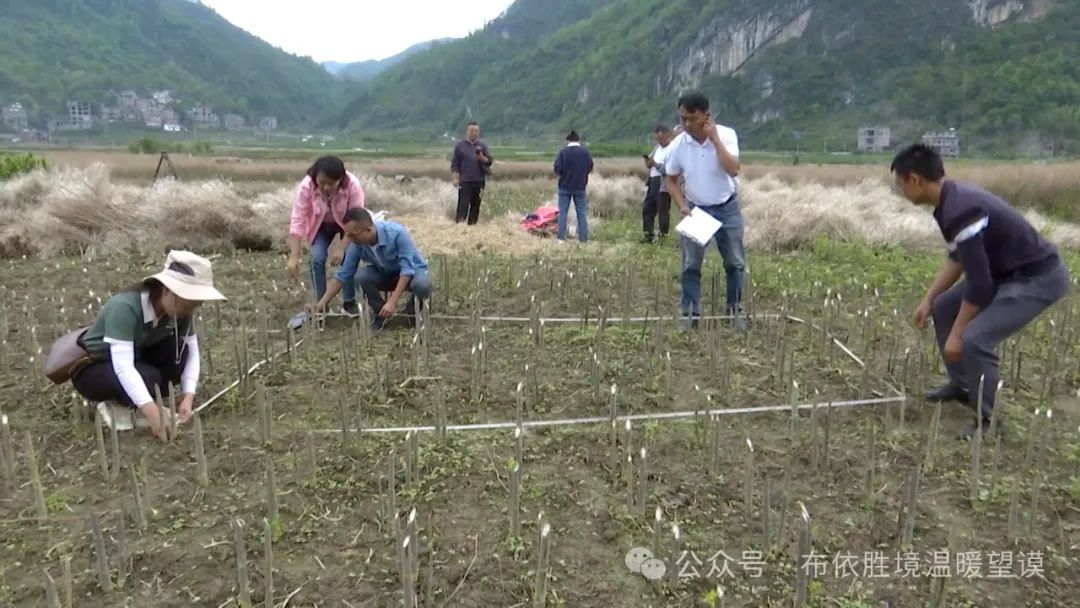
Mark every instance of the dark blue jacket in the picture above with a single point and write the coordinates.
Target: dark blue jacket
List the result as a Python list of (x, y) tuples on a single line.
[(573, 166), (991, 240)]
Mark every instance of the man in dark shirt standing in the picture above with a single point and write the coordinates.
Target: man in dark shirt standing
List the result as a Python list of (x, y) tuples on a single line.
[(573, 166), (1011, 276), (470, 164)]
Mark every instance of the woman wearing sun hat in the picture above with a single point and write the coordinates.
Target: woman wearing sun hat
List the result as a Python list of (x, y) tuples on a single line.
[(144, 338)]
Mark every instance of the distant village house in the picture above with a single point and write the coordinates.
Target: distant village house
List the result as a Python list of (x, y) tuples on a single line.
[(268, 123), (234, 122), (14, 117), (874, 139), (157, 117), (947, 143), (79, 115), (202, 115), (79, 118), (131, 108)]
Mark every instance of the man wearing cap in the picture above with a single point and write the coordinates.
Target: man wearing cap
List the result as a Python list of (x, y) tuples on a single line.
[(393, 264), (143, 341)]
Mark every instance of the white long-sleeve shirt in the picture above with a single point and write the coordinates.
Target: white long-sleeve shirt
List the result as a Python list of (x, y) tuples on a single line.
[(122, 356)]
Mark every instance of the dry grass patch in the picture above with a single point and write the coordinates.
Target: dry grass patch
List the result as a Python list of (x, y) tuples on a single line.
[(140, 167), (84, 211)]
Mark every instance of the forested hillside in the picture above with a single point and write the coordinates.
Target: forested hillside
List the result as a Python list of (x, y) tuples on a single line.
[(996, 69), (1002, 72), (434, 87), (55, 50)]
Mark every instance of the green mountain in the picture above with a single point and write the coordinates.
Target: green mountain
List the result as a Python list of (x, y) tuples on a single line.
[(434, 88), (366, 70), (52, 51), (999, 71)]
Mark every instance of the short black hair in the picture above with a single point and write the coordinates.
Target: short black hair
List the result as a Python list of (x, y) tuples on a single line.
[(573, 136), (662, 129), (472, 123), (694, 102), (359, 215), (919, 159), (330, 166)]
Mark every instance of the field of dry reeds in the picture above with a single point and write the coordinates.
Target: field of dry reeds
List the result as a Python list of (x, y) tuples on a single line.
[(1053, 188), (140, 167), (88, 210)]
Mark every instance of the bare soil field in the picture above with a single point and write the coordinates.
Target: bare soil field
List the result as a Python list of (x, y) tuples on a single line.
[(866, 499)]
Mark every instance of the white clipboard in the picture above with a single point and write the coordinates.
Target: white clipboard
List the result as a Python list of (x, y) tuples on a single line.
[(699, 226)]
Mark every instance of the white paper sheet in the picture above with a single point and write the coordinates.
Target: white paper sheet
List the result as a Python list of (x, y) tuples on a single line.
[(699, 226)]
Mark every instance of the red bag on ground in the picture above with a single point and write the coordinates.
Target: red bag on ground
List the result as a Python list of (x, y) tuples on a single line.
[(544, 221)]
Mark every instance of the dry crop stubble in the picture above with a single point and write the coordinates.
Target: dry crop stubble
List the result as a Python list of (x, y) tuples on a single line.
[(140, 167), (70, 210), (335, 530), (1027, 183)]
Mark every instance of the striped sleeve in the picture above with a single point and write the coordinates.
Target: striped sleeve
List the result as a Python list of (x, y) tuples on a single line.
[(965, 235)]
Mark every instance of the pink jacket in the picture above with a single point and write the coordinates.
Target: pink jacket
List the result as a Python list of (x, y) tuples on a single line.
[(310, 207)]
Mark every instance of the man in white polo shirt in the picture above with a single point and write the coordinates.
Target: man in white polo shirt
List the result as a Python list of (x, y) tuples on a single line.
[(707, 158)]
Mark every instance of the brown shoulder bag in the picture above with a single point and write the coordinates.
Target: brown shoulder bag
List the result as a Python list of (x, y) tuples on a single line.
[(67, 357)]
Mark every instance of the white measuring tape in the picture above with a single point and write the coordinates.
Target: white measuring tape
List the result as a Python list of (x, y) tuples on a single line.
[(682, 416), (900, 396)]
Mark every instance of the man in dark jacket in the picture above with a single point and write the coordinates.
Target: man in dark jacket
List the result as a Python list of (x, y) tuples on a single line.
[(1011, 276), (470, 165), (573, 166)]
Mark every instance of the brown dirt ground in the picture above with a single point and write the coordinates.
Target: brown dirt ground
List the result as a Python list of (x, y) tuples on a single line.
[(334, 544)]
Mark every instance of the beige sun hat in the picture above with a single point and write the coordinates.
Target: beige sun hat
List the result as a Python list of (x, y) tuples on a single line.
[(189, 276)]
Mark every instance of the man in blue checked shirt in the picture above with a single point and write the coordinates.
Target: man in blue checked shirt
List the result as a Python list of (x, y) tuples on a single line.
[(1012, 275), (393, 265)]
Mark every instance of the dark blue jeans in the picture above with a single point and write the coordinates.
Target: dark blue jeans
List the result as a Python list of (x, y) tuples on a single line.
[(581, 206), (373, 282), (729, 242), (320, 251)]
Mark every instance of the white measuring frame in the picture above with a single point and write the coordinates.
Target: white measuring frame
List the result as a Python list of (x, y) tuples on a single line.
[(898, 397)]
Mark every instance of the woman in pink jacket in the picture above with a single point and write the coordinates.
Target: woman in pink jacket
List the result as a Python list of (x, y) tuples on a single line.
[(323, 197)]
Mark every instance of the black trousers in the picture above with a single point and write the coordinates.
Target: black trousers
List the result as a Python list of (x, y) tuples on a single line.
[(468, 202), (157, 366), (656, 204)]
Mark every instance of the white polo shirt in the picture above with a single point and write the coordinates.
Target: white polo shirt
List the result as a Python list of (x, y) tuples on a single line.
[(706, 182)]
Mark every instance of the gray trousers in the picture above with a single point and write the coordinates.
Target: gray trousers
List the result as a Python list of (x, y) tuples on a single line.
[(1016, 304)]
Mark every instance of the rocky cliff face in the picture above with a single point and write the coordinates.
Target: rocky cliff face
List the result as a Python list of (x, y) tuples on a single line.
[(723, 46), (993, 12)]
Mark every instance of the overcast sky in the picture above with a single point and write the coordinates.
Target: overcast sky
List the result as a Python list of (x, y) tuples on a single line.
[(355, 30)]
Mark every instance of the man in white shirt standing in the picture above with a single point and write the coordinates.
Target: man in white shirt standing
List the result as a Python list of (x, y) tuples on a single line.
[(657, 204), (707, 158)]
